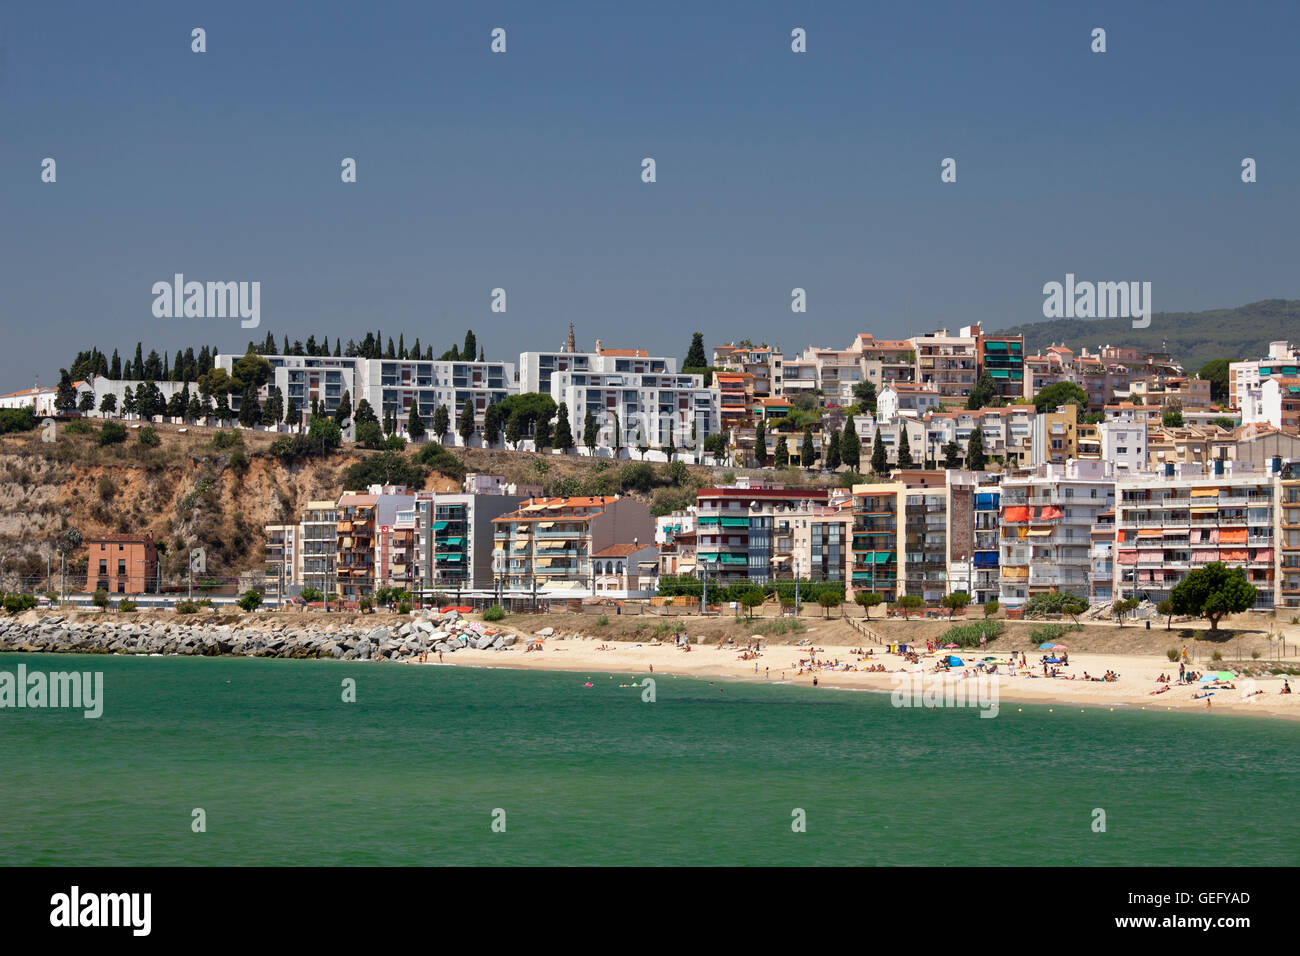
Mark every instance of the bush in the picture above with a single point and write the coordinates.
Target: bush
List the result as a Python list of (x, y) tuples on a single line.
[(1054, 602), (16, 603), (440, 460), (187, 607), (602, 620), (16, 420), (148, 437), (224, 440), (107, 489), (1216, 656), (991, 608), (126, 607), (99, 598), (404, 607), (1051, 632), (968, 635), (111, 434), (251, 600), (366, 606), (495, 613), (80, 426), (312, 595), (1173, 655)]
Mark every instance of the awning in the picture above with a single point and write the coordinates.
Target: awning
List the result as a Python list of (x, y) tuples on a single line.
[(1039, 532), (439, 525), (543, 525), (1205, 492), (543, 562), (735, 559), (1016, 513), (1128, 557), (452, 541), (883, 557), (1234, 555), (451, 557), (686, 567), (1150, 533), (735, 522), (1205, 511), (521, 545), (1228, 536)]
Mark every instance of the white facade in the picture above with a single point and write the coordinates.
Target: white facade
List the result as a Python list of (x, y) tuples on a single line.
[(1124, 444)]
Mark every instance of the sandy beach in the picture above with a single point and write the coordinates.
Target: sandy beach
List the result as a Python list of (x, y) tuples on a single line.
[(782, 663)]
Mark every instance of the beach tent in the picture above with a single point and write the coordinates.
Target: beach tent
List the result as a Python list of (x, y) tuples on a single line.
[(1053, 660), (954, 661)]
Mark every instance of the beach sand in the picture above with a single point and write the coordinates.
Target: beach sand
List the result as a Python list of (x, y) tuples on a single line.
[(780, 662)]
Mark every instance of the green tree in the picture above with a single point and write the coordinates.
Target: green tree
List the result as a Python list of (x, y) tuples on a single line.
[(879, 463), (991, 608), (1061, 393), (752, 598), (1122, 607), (1215, 372), (867, 600), (415, 429), (952, 455), (909, 603), (465, 427), (954, 602), (1166, 610), (65, 396), (515, 429), (1173, 418), (343, 413), (492, 425), (86, 403), (563, 431), (695, 357), (864, 396), (108, 404), (441, 423), (975, 457), (984, 392), (1212, 592), (807, 453), (904, 449), (850, 446), (542, 433), (832, 454), (250, 413), (250, 601), (470, 348), (781, 457), (760, 443), (829, 600), (589, 430)]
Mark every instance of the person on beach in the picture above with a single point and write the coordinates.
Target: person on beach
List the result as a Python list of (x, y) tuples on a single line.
[(1286, 688), (814, 680)]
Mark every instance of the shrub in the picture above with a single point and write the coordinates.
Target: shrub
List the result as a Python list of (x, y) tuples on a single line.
[(312, 595), (148, 437), (107, 489), (366, 606), (187, 607), (1051, 632), (16, 420), (250, 601), (126, 607), (991, 608), (602, 620), (968, 635), (15, 603), (80, 426), (1173, 655), (404, 607), (1216, 656), (494, 613), (112, 434), (99, 598), (224, 440)]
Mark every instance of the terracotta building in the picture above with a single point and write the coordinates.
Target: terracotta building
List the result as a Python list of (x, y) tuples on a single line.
[(122, 564)]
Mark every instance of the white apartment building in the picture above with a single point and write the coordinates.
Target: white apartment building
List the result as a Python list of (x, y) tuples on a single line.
[(1282, 361), (1046, 521)]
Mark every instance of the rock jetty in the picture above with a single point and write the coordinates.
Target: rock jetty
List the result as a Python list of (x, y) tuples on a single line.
[(426, 631)]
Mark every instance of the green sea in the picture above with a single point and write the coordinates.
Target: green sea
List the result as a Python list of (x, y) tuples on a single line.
[(288, 773)]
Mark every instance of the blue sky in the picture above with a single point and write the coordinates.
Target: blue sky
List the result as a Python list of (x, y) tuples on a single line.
[(522, 170)]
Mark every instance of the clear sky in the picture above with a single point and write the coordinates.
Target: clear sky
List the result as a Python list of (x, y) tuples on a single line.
[(523, 170)]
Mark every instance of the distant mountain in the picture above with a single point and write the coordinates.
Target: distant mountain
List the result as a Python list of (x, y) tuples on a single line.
[(1192, 337)]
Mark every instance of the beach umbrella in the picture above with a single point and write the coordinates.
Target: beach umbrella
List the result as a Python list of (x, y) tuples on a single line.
[(1059, 647), (950, 645), (1046, 646)]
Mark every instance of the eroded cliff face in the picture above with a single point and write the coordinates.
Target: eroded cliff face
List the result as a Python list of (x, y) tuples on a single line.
[(186, 493)]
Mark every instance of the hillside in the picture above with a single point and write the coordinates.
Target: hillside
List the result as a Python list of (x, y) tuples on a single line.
[(1193, 337), (189, 493)]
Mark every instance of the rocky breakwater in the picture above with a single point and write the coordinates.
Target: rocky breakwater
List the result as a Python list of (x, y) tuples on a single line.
[(314, 637)]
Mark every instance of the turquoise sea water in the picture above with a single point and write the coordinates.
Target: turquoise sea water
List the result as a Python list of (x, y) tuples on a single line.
[(707, 774)]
